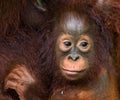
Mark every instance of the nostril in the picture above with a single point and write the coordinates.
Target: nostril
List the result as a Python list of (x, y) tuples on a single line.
[(74, 58), (69, 57)]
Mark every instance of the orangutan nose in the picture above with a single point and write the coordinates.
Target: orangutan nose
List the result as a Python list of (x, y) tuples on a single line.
[(74, 57)]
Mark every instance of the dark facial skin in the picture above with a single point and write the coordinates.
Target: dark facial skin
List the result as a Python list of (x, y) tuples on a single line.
[(74, 47)]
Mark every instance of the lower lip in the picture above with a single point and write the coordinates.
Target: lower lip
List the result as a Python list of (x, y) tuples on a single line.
[(72, 72)]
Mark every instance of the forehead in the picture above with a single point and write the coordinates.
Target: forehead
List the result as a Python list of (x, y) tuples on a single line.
[(74, 24)]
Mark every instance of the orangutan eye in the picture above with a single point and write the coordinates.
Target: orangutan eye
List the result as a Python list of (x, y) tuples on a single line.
[(67, 43), (40, 4), (84, 44)]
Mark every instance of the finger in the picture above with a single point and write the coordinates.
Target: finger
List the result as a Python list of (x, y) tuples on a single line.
[(12, 77), (10, 85)]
